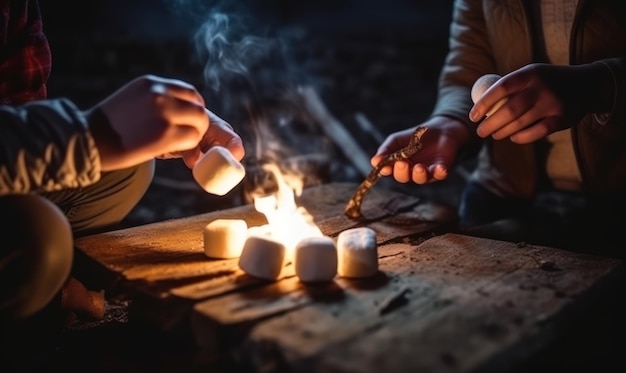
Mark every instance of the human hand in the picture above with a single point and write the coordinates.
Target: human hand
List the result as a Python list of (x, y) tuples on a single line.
[(440, 147), (146, 118), (219, 133), (539, 99)]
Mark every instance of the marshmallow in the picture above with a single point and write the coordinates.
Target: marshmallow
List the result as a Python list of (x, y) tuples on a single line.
[(481, 85), (316, 259), (224, 238), (218, 172), (357, 253), (262, 257)]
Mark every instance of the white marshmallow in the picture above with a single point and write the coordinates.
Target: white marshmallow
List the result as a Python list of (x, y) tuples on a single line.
[(481, 85), (262, 257), (218, 172), (357, 253), (316, 259), (224, 238)]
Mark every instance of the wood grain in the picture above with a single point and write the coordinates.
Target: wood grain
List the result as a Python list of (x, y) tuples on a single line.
[(441, 301)]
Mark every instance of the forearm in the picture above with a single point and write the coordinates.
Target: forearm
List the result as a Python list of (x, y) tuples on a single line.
[(469, 57), (45, 147)]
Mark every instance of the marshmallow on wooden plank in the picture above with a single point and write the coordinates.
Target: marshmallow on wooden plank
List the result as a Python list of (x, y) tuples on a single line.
[(357, 253), (218, 171), (481, 85), (224, 238), (262, 257), (316, 259)]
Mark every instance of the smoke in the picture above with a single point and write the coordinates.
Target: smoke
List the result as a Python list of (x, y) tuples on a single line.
[(226, 51), (252, 80)]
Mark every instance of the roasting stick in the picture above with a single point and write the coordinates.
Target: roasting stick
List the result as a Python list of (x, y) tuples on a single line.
[(353, 208)]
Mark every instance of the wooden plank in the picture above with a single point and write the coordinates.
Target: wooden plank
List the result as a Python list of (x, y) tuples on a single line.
[(172, 251), (166, 259), (468, 301)]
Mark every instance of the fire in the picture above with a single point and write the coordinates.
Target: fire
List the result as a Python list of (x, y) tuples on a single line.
[(287, 223)]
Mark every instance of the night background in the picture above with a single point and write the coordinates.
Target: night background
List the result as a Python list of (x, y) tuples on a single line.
[(368, 61), (372, 61)]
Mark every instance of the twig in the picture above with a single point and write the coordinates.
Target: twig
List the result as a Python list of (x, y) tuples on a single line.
[(336, 131)]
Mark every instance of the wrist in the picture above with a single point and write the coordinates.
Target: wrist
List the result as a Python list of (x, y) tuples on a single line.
[(107, 140)]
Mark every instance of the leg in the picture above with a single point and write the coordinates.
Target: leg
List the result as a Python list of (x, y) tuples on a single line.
[(104, 204), (36, 253)]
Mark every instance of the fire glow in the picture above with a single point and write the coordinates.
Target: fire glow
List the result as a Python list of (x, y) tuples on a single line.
[(287, 223)]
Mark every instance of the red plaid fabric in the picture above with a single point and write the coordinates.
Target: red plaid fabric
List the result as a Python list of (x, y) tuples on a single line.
[(25, 59)]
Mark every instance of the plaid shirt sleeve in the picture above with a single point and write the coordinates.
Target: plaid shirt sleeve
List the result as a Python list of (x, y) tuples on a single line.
[(25, 59)]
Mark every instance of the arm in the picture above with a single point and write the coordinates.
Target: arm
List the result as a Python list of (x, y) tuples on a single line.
[(449, 129), (45, 147), (470, 56), (51, 145)]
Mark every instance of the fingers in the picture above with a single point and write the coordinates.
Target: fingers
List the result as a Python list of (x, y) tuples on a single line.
[(535, 132), (180, 108), (513, 117), (385, 171), (177, 88), (222, 133), (526, 116), (188, 119), (422, 175), (493, 98), (219, 133), (403, 172), (191, 157)]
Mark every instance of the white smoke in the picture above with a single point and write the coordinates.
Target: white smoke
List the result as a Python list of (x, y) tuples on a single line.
[(226, 51)]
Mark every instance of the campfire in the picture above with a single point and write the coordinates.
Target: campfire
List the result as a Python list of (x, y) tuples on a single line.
[(290, 237)]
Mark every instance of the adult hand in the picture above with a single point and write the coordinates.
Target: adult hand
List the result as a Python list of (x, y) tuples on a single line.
[(440, 148), (148, 117), (542, 99)]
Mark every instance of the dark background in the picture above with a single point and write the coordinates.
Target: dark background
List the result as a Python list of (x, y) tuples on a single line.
[(379, 59)]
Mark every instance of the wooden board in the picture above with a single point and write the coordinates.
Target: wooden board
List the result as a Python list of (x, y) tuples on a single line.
[(166, 259), (462, 302), (459, 303)]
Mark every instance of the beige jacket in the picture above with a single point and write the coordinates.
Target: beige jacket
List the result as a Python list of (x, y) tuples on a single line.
[(45, 146), (493, 36)]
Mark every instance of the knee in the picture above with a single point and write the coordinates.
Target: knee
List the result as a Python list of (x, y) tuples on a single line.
[(36, 249)]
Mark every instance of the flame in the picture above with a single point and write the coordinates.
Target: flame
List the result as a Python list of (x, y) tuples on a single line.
[(287, 223)]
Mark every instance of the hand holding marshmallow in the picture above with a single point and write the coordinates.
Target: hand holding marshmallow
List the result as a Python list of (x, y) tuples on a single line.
[(481, 85)]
